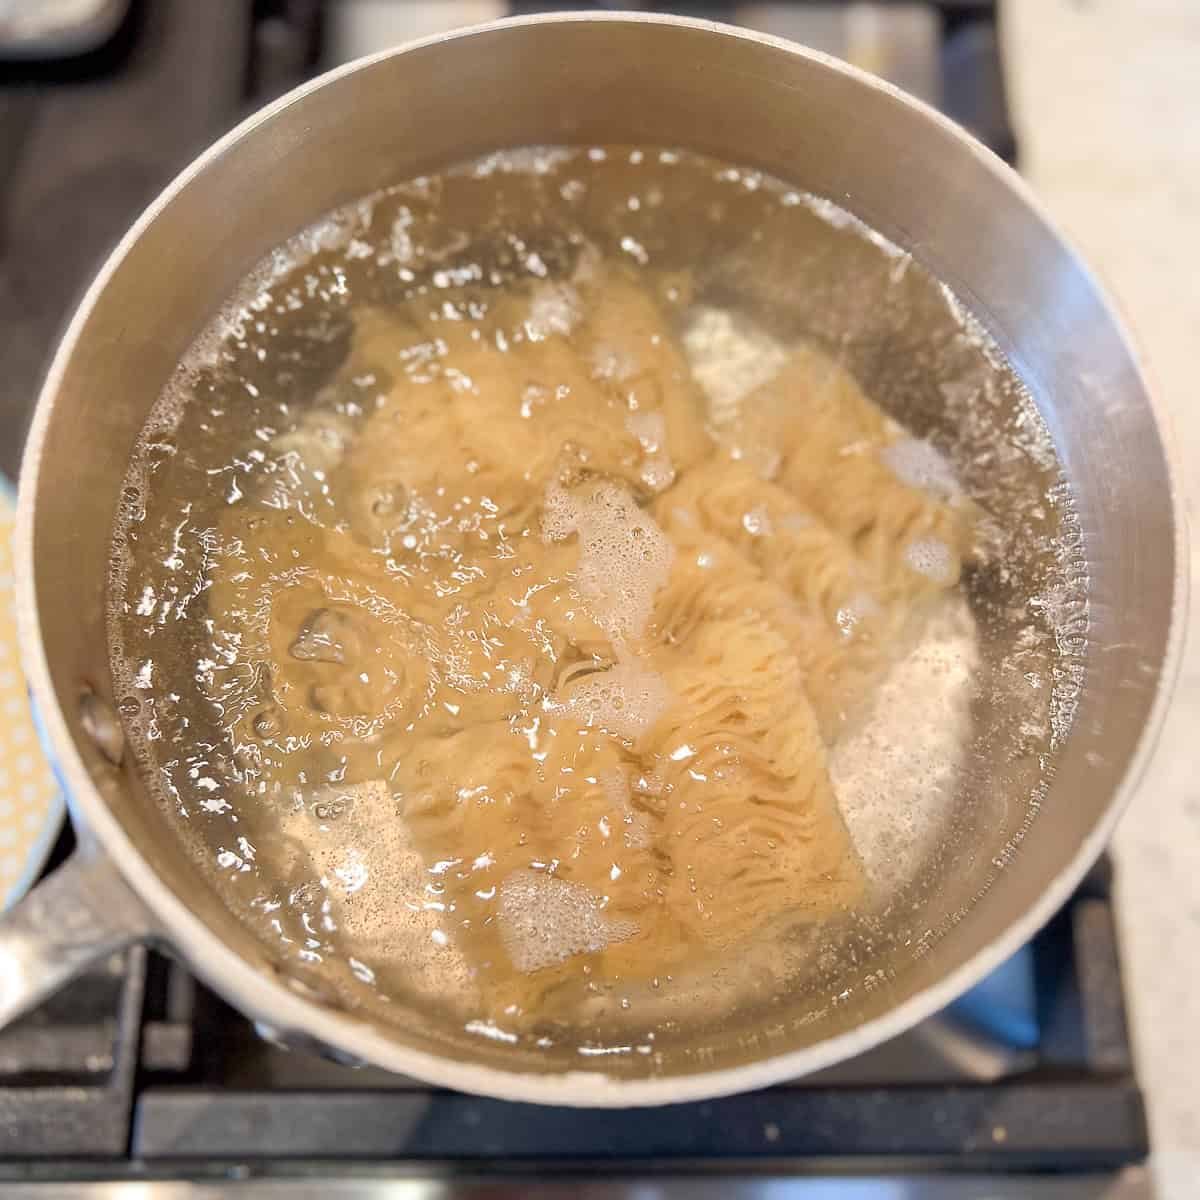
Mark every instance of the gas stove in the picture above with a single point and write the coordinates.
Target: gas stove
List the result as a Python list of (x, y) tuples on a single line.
[(136, 1074)]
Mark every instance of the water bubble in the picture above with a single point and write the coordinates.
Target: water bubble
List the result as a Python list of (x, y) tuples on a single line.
[(330, 808), (327, 636), (389, 501), (266, 723)]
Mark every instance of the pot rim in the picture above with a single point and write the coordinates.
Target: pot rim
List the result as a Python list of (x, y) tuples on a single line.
[(262, 996)]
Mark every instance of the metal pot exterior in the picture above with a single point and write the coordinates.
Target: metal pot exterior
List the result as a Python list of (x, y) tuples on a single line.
[(581, 79)]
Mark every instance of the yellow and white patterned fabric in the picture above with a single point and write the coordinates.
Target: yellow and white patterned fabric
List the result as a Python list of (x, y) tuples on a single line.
[(31, 803)]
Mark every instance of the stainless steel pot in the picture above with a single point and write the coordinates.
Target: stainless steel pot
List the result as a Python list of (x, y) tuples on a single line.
[(596, 78)]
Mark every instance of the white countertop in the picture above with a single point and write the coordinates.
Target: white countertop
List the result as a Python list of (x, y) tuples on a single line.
[(1106, 99)]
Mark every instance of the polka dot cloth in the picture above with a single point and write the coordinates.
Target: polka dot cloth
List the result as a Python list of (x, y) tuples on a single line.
[(31, 805)]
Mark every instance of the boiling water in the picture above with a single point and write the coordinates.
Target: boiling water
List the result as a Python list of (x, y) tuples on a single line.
[(304, 622)]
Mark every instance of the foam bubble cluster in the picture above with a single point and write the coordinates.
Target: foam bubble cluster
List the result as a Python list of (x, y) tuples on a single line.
[(626, 699), (372, 885), (920, 464), (931, 558), (729, 359), (624, 557), (554, 308), (544, 921)]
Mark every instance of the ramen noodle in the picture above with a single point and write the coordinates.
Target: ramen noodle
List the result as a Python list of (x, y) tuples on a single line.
[(601, 658)]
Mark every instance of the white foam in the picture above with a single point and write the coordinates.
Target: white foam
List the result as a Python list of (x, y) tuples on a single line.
[(627, 699), (554, 308), (362, 855), (858, 607), (616, 788), (897, 773), (729, 358), (920, 464), (523, 160), (544, 920), (624, 557), (931, 558)]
